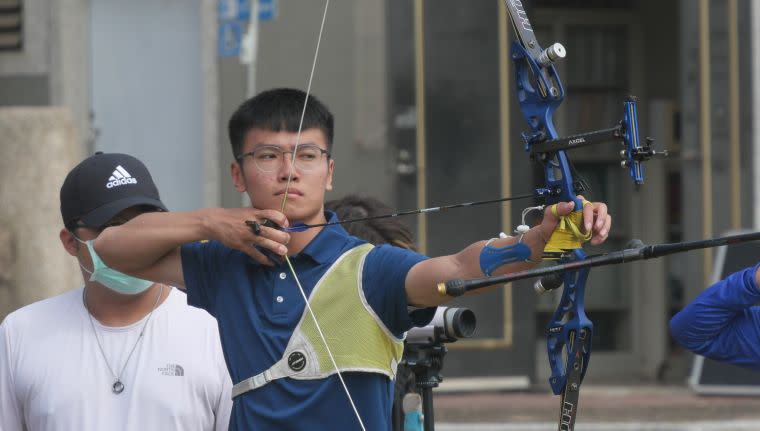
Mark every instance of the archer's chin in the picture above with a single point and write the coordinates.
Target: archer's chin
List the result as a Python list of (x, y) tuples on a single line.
[(300, 211)]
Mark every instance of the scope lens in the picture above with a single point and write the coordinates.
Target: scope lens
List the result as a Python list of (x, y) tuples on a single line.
[(462, 323)]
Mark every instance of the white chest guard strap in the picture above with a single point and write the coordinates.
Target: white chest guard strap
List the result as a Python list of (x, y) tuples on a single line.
[(298, 360)]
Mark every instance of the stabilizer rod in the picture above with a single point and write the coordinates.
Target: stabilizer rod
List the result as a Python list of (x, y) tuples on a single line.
[(458, 287)]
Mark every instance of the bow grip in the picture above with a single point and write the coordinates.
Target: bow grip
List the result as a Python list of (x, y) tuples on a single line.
[(568, 235)]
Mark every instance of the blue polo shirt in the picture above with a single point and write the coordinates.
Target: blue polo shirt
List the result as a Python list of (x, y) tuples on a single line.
[(258, 307)]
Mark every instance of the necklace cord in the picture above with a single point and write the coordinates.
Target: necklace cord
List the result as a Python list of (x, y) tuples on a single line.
[(139, 337)]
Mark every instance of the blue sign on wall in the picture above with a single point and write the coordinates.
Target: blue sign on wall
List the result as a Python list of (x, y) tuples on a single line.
[(233, 20), (241, 10), (230, 34), (267, 10), (234, 9)]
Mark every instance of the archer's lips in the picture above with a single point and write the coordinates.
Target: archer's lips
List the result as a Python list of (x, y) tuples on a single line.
[(291, 192)]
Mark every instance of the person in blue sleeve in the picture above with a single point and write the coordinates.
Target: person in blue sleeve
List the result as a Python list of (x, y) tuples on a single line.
[(723, 322), (328, 366)]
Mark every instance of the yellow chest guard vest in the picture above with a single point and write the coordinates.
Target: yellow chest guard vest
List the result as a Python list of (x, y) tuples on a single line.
[(358, 339)]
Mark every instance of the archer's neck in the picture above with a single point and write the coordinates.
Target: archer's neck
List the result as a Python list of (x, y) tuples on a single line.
[(299, 240)]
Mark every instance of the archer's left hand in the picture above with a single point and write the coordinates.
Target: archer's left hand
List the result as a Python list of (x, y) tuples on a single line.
[(595, 219)]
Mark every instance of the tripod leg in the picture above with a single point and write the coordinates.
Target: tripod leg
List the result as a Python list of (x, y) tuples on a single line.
[(427, 409)]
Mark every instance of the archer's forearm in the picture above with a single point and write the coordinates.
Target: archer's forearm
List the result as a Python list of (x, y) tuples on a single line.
[(144, 240), (423, 279), (535, 239)]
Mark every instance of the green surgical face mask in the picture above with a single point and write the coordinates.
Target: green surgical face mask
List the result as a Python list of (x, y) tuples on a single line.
[(110, 278)]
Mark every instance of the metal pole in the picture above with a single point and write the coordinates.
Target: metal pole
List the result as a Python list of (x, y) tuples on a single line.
[(253, 40), (249, 56)]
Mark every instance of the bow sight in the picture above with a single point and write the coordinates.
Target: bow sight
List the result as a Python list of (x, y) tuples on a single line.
[(626, 133), (540, 92)]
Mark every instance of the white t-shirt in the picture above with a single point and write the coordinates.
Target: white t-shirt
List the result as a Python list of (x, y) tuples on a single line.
[(53, 376)]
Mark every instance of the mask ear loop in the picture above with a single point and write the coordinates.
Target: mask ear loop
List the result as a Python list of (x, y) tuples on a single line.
[(79, 261)]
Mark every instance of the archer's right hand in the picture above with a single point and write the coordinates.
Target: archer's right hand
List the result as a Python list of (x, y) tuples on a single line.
[(228, 226)]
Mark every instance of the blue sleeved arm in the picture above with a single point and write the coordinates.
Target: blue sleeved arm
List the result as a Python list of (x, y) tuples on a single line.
[(201, 263), (384, 284), (723, 322)]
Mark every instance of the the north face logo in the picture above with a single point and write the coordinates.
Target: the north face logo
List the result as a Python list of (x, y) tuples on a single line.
[(172, 370), (119, 177)]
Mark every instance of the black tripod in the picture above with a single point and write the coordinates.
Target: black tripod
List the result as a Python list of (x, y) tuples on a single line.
[(419, 369)]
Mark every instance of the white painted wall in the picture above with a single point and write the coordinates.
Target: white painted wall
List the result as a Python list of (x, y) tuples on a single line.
[(148, 90)]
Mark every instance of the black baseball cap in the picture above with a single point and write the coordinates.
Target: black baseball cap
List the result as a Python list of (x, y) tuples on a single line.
[(102, 186)]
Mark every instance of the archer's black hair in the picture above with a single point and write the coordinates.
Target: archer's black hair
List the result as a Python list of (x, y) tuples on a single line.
[(278, 110)]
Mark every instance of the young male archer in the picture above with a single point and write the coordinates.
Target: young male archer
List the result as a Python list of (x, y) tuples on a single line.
[(290, 372)]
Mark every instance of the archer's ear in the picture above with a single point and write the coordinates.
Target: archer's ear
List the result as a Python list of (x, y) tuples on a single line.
[(238, 180), (330, 170), (70, 244)]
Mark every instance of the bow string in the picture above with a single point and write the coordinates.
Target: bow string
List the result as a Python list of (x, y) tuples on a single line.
[(282, 209)]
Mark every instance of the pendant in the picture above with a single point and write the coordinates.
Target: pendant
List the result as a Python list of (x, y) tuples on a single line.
[(117, 387)]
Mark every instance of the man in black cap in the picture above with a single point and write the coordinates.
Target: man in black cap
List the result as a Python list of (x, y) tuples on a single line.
[(121, 352)]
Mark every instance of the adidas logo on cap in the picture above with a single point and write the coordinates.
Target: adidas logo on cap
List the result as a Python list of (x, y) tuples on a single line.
[(119, 177)]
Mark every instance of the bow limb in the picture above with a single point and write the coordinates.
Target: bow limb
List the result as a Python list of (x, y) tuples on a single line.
[(540, 92), (282, 209)]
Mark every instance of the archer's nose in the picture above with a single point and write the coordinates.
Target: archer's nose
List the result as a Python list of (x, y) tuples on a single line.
[(288, 169)]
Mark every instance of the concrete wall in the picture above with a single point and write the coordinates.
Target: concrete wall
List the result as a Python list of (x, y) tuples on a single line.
[(39, 147), (56, 68), (23, 74), (53, 67), (70, 71)]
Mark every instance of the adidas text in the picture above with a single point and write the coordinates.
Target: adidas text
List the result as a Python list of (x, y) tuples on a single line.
[(121, 181)]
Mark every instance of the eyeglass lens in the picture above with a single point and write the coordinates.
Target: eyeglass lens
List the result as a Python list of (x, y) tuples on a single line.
[(270, 158)]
